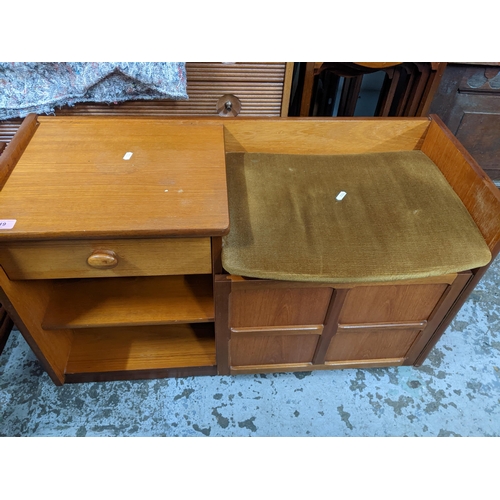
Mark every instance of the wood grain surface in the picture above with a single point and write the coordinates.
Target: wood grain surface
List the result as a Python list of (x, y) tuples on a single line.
[(136, 257), (277, 330), (26, 302), (324, 136), (351, 345), (439, 316), (130, 301), (73, 181), (391, 303), (476, 190), (260, 349), (16, 147), (141, 348), (306, 306)]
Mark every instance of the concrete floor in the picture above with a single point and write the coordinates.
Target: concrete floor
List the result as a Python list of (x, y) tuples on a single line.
[(455, 393)]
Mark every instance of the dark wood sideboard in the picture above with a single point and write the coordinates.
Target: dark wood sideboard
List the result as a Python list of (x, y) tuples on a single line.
[(468, 101)]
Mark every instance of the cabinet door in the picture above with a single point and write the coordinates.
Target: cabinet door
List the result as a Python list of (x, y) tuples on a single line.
[(252, 347), (379, 325), (390, 303), (279, 306), (275, 328), (371, 344), (270, 326)]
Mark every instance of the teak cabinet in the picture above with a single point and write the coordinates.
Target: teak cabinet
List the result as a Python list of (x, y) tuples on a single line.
[(108, 266), (112, 269), (271, 325)]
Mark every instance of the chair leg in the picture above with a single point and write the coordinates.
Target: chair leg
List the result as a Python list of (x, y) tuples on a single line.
[(349, 95)]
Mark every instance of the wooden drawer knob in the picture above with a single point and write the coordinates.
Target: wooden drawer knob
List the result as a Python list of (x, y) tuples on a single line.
[(102, 259), (228, 105)]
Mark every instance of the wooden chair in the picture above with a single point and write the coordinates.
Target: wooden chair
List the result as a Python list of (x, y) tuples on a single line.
[(407, 90)]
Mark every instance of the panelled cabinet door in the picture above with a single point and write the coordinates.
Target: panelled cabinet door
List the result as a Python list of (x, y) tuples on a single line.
[(379, 325), (390, 303), (274, 346), (273, 327), (371, 344), (276, 327)]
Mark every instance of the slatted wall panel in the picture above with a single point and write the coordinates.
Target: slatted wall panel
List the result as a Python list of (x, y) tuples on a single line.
[(259, 87), (7, 130)]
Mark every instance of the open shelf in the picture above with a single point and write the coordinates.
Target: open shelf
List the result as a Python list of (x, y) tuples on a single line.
[(158, 300), (146, 348)]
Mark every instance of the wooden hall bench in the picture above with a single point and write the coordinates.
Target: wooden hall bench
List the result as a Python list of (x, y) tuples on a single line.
[(370, 278), (117, 264)]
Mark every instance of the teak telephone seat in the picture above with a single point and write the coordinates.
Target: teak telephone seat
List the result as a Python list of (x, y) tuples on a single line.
[(114, 267)]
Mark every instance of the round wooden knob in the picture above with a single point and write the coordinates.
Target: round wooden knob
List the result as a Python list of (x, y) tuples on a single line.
[(102, 259)]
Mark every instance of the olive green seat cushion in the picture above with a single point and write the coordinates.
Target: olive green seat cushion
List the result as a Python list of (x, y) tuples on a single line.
[(399, 219)]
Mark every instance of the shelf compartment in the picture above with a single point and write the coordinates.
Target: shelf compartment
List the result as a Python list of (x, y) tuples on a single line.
[(144, 349), (89, 303)]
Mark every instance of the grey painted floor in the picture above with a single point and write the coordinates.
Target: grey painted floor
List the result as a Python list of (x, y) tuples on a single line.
[(455, 393)]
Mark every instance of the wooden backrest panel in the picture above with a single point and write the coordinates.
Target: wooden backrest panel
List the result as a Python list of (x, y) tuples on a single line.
[(16, 147), (327, 136), (476, 190)]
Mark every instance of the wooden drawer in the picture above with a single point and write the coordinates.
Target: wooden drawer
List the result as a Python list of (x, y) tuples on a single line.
[(131, 257)]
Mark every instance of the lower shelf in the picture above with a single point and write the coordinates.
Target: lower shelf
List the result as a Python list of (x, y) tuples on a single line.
[(141, 352), (131, 301)]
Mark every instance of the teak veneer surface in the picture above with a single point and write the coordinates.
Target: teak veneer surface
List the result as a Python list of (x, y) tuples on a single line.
[(390, 303), (72, 185), (136, 257), (325, 137), (141, 348), (72, 180), (248, 350), (361, 344), (477, 192), (26, 302), (16, 147), (285, 307), (318, 135), (130, 301)]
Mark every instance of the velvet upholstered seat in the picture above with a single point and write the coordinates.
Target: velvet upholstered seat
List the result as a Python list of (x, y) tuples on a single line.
[(399, 219)]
